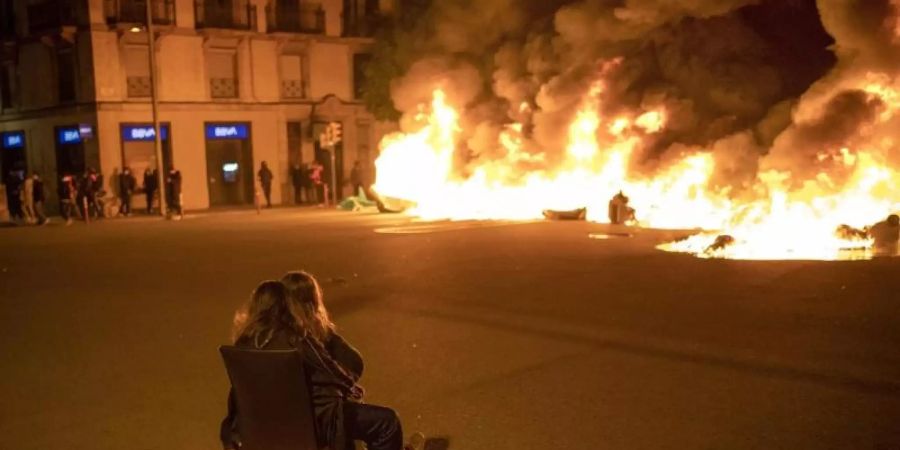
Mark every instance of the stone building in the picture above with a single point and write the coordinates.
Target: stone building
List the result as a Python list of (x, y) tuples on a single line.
[(239, 82)]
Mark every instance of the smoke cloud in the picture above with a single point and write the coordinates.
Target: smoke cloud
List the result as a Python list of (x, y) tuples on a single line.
[(762, 84)]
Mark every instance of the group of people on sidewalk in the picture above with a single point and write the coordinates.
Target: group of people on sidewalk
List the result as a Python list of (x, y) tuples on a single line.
[(128, 188), (291, 314), (84, 196), (25, 197), (309, 182)]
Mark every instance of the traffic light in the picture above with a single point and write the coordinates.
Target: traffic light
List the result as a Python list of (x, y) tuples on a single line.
[(337, 133)]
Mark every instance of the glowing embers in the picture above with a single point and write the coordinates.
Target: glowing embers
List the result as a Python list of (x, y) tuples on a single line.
[(608, 236)]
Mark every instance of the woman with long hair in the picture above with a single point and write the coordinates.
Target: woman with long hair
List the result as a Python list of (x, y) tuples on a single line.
[(305, 298), (271, 320)]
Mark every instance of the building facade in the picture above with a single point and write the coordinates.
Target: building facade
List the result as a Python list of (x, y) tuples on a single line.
[(238, 82)]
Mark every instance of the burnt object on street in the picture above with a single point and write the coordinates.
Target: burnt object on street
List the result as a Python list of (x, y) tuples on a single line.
[(722, 241), (575, 214)]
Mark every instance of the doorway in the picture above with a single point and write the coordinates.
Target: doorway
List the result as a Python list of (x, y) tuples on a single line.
[(69, 152), (229, 164)]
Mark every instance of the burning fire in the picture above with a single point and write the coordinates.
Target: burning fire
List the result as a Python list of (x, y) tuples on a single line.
[(783, 220)]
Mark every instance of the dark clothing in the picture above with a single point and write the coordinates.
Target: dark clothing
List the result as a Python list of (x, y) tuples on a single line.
[(377, 426), (87, 196), (38, 196), (13, 197), (333, 370), (127, 186), (38, 191), (151, 183), (265, 176), (265, 180), (299, 179), (356, 179), (173, 191), (67, 193)]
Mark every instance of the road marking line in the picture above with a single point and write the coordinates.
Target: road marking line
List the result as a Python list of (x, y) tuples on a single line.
[(435, 227)]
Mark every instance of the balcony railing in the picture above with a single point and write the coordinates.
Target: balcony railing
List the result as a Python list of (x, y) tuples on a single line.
[(139, 87), (364, 26), (223, 88), (135, 11), (238, 15), (293, 89), (50, 15), (294, 17)]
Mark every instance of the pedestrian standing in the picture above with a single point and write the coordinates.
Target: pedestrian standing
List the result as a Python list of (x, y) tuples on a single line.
[(127, 185), (173, 192), (297, 182), (38, 198), (151, 182), (86, 195), (26, 197), (356, 178), (68, 194), (308, 190), (315, 178), (265, 180)]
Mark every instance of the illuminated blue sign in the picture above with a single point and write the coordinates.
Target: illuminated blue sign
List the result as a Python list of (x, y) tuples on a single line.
[(15, 139), (86, 131), (68, 135), (227, 131), (143, 133)]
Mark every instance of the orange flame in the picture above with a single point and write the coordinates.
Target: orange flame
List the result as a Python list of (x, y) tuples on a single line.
[(782, 222)]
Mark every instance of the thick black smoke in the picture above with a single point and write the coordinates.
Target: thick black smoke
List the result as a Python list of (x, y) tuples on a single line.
[(760, 83)]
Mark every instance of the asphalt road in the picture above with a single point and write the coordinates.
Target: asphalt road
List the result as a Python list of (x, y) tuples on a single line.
[(497, 336)]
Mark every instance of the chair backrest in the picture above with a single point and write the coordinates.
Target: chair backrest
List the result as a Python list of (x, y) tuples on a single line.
[(273, 399)]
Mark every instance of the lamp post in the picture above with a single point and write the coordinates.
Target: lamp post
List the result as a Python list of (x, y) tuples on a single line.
[(154, 107)]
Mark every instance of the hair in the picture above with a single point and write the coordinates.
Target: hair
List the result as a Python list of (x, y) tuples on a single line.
[(305, 302), (267, 311)]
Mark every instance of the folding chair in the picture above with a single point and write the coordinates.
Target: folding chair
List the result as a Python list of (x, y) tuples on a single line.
[(273, 399)]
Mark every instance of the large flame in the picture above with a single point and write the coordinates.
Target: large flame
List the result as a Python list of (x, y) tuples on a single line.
[(781, 221)]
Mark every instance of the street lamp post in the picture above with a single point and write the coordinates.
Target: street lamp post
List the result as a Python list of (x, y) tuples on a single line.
[(154, 107)]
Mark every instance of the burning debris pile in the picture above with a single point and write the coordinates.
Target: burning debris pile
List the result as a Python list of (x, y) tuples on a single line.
[(772, 122)]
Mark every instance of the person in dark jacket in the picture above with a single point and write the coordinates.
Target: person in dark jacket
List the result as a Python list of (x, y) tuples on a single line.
[(277, 318), (356, 178), (14, 182), (297, 175), (173, 192), (39, 198), (127, 186), (265, 181), (86, 194), (68, 194), (151, 183)]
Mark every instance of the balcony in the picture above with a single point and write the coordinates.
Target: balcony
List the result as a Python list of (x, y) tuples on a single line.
[(236, 14), (139, 87), (223, 88), (50, 15), (293, 89), (362, 18), (364, 26), (288, 16), (135, 11)]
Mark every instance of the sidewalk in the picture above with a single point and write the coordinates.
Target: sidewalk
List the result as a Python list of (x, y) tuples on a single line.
[(142, 217)]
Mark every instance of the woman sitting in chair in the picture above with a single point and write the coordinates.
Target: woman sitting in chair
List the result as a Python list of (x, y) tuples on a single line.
[(277, 319)]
